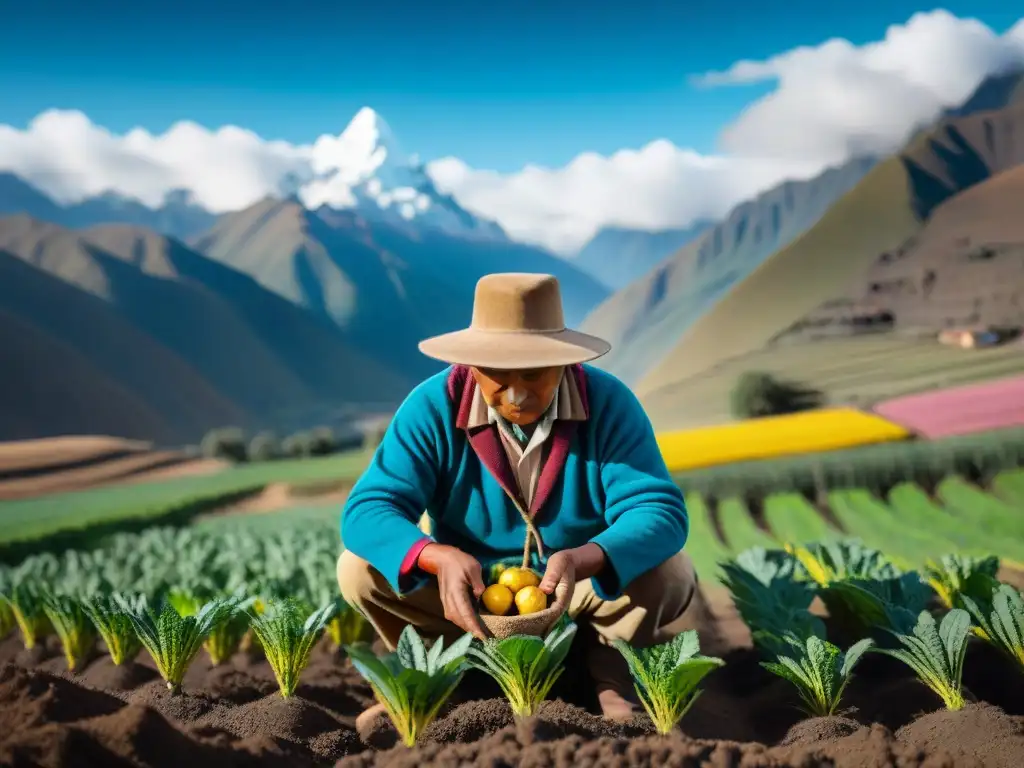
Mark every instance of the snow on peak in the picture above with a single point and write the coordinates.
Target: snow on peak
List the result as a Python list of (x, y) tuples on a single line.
[(364, 167)]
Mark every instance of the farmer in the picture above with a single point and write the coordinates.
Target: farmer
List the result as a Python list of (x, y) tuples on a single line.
[(519, 438)]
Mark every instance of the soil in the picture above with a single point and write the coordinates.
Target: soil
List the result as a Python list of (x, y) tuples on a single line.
[(233, 715), (275, 497)]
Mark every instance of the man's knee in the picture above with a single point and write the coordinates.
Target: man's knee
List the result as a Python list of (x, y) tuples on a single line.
[(356, 578), (667, 589), (673, 576)]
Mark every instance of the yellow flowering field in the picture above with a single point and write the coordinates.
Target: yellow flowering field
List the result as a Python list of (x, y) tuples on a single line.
[(806, 432)]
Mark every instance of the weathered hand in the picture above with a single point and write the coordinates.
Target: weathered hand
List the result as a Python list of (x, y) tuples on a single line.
[(460, 583), (560, 578)]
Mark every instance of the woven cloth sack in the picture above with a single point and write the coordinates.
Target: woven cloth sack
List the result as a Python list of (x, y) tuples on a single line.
[(538, 623), (531, 624)]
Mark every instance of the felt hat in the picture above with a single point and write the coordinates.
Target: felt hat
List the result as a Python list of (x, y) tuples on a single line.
[(517, 323)]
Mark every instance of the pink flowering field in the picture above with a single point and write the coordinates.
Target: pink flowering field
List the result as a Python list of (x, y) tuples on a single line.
[(959, 410)]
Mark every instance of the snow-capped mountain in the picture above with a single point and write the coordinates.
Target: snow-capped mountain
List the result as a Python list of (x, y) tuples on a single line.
[(363, 169), (366, 169)]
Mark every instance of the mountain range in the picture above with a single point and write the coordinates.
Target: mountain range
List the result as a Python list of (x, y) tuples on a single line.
[(306, 307), (900, 210), (279, 316)]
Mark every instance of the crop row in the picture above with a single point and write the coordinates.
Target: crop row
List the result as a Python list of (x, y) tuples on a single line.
[(923, 618), (959, 410), (175, 592), (977, 459), (772, 436)]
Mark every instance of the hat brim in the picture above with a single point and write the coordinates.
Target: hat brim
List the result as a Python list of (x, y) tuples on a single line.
[(514, 350)]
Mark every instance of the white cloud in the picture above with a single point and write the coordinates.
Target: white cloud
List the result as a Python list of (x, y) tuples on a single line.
[(837, 99), (657, 187), (830, 101)]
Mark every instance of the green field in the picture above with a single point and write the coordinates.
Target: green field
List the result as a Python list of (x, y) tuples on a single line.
[(34, 518)]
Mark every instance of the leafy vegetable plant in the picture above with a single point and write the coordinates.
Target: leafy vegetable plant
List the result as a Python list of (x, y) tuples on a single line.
[(412, 683), (820, 671), (769, 598), (71, 622), (287, 634), (6, 614), (26, 602), (956, 575), (114, 626), (348, 625), (666, 676), (935, 651), (227, 636), (1001, 619), (174, 640), (524, 666)]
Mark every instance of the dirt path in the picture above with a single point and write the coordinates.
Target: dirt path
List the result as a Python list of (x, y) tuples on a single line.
[(276, 497)]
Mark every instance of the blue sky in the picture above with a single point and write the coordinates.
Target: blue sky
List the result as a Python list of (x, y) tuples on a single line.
[(498, 84)]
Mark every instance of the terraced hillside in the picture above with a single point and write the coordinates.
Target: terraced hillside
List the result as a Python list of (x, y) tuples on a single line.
[(646, 319), (856, 371), (879, 216)]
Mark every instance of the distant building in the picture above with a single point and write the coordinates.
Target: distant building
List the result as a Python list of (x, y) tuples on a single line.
[(969, 338)]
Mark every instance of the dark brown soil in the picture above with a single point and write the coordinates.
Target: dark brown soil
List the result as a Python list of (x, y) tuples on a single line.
[(233, 715)]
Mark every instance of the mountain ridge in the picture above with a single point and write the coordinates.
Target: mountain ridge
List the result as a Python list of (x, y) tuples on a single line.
[(879, 215), (260, 360)]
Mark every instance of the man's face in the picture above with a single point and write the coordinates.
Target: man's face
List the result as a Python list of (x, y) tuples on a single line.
[(522, 396)]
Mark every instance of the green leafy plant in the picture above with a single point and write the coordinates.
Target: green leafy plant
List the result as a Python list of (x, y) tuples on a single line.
[(348, 626), (524, 666), (114, 627), (7, 622), (287, 632), (935, 651), (667, 676), (25, 599), (956, 575), (174, 640), (820, 671), (412, 683), (71, 622), (769, 598), (1001, 620), (864, 604), (226, 637)]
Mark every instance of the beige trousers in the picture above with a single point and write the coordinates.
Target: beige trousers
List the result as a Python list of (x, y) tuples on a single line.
[(656, 607)]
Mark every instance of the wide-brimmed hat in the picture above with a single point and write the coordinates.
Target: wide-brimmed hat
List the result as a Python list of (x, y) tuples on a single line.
[(517, 323)]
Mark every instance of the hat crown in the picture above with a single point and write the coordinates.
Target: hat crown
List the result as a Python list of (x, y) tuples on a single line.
[(515, 302)]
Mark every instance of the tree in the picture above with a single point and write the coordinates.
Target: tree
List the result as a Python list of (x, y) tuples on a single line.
[(264, 447), (226, 443), (759, 394)]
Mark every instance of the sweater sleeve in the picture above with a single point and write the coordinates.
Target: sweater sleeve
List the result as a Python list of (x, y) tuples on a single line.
[(379, 522), (644, 509)]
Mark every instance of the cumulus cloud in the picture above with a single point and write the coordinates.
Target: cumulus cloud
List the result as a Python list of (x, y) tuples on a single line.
[(657, 187), (829, 102), (838, 99)]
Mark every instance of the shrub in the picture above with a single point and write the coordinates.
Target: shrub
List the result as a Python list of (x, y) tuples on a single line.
[(758, 394), (227, 443), (296, 446), (322, 442), (264, 447)]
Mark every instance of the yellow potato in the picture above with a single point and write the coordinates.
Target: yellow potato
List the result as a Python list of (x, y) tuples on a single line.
[(530, 600), (518, 578), (497, 599)]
